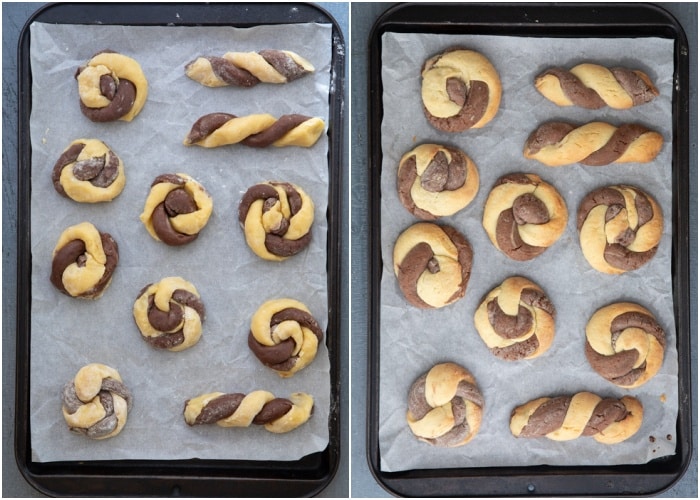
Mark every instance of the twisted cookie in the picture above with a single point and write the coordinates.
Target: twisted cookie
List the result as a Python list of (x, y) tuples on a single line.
[(435, 181), (524, 216), (96, 402), (258, 131), (619, 228), (460, 90), (625, 344), (284, 336), (516, 320), (595, 144), (276, 218), (83, 261), (278, 415), (88, 171), (247, 69), (445, 406), (112, 87), (592, 86), (177, 209), (169, 314), (433, 264), (563, 418)]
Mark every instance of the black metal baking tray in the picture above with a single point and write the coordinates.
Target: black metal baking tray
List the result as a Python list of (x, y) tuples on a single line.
[(304, 477), (537, 20)]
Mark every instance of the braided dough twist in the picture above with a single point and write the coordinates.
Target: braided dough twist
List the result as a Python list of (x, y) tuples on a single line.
[(83, 262), (169, 314), (619, 228), (96, 402), (563, 418), (625, 344), (88, 171), (595, 144), (432, 264), (445, 406), (524, 216), (278, 415), (112, 87), (177, 209), (284, 336), (436, 181), (257, 130), (516, 320), (593, 86), (247, 69)]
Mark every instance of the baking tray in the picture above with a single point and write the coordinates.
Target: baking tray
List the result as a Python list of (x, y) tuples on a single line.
[(537, 20), (191, 477)]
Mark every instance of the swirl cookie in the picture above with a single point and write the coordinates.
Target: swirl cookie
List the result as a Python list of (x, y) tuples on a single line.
[(111, 87), (284, 336), (88, 171), (619, 228), (625, 344), (432, 264), (445, 406), (460, 90), (436, 181), (277, 415), (96, 402), (516, 320), (524, 216), (247, 69), (169, 314), (276, 218), (83, 262), (177, 209), (563, 418)]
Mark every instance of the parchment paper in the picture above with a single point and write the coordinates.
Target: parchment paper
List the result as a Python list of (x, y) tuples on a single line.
[(412, 340), (68, 333)]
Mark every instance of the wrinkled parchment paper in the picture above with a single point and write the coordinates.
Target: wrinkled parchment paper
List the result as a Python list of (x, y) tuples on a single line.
[(233, 282), (412, 340)]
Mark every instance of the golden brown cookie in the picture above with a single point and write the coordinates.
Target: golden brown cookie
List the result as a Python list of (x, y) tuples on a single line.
[(563, 418), (445, 406), (436, 181), (524, 215), (619, 228), (516, 320)]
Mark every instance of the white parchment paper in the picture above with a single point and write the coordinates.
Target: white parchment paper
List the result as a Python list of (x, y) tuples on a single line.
[(412, 340), (233, 282)]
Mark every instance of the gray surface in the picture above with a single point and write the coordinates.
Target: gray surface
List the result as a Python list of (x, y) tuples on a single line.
[(363, 484)]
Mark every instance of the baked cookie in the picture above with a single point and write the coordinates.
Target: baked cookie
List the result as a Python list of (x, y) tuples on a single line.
[(593, 86), (595, 144), (169, 314), (247, 69), (96, 402), (111, 87), (563, 418), (460, 90), (276, 218), (83, 262), (445, 406), (284, 336), (619, 228), (278, 415), (258, 131), (524, 216), (88, 171), (177, 209), (432, 264), (516, 320), (625, 344), (436, 181)]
